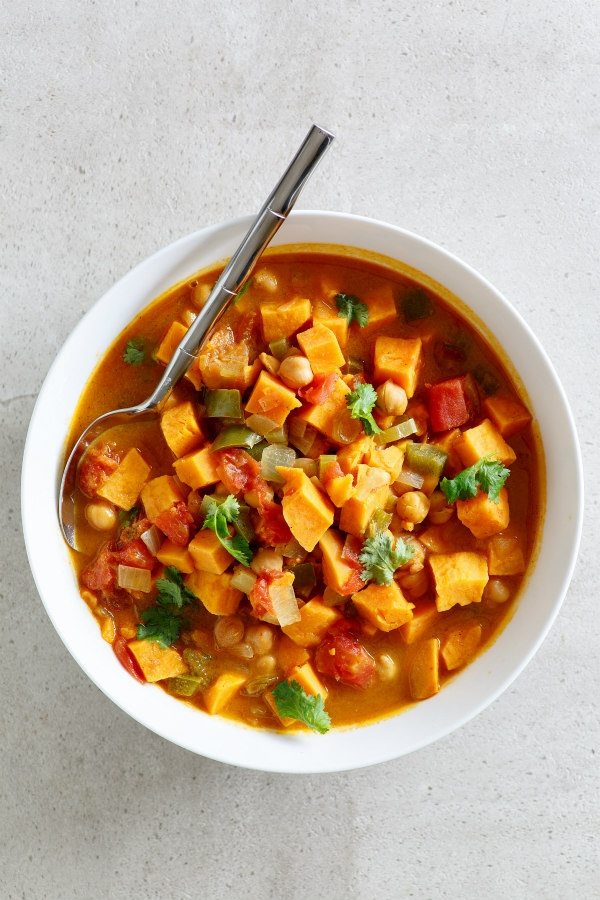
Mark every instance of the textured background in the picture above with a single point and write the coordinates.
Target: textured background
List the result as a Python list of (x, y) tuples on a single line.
[(124, 125)]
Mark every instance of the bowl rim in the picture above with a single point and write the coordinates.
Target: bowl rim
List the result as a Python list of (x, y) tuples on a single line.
[(295, 755)]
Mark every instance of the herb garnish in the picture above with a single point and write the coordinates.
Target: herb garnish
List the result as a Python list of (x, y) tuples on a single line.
[(134, 353), (352, 309), (380, 557), (292, 701), (487, 474), (360, 403), (218, 519)]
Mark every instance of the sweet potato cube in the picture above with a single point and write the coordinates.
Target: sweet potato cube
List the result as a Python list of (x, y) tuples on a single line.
[(308, 680), (459, 578), (381, 305), (383, 605), (157, 662), (224, 689), (181, 429), (208, 553), (321, 347), (459, 645), (352, 454), (481, 441), (305, 508), (159, 494), (423, 675), (423, 618), (508, 415), (170, 342), (215, 592), (326, 313), (315, 620), (172, 555), (398, 359), (390, 459), (331, 412), (290, 654), (370, 493), (337, 573), (482, 516), (124, 485), (281, 320), (505, 555), (272, 399), (340, 489), (197, 469)]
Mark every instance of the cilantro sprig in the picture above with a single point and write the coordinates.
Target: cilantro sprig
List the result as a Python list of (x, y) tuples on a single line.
[(218, 519), (360, 403), (134, 353), (352, 309), (161, 623), (127, 517), (380, 557), (487, 474), (292, 701)]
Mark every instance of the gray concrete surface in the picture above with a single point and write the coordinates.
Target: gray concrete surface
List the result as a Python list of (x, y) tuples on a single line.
[(124, 125)]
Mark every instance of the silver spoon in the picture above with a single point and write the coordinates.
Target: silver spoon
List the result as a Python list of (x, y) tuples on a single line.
[(268, 221)]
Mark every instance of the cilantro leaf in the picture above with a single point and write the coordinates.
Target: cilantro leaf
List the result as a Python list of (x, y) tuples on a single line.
[(218, 519), (360, 403), (352, 309), (292, 701), (487, 474), (160, 625), (127, 517), (380, 558), (171, 589), (134, 353)]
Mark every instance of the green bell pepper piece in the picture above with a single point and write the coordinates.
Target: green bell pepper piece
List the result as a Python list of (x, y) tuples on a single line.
[(223, 404), (236, 436)]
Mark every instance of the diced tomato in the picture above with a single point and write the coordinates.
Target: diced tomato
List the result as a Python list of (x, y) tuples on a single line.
[(342, 656), (133, 553), (320, 389), (271, 527), (353, 583), (259, 595), (95, 467), (100, 574), (177, 523), (351, 551), (449, 404), (237, 470), (127, 659)]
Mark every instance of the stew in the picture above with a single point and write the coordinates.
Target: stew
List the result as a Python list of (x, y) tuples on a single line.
[(335, 509)]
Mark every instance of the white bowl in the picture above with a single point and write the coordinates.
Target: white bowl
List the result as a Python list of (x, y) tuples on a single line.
[(466, 694)]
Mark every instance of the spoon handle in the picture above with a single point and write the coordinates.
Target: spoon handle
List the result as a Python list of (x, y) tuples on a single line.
[(268, 221)]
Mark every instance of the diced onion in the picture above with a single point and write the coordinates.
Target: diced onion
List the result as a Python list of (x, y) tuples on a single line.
[(243, 579), (293, 549), (275, 455), (284, 603), (278, 435), (345, 429), (266, 560), (261, 424), (243, 650), (309, 466), (134, 579), (409, 478), (152, 539)]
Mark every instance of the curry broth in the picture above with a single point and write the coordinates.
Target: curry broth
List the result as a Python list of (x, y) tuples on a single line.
[(115, 383)]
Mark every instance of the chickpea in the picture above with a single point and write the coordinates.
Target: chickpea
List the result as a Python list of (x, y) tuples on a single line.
[(261, 638), (266, 280), (391, 399), (386, 667), (267, 559), (295, 371), (101, 515), (412, 507), (439, 511), (496, 591), (266, 665), (417, 561), (229, 631), (415, 584)]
